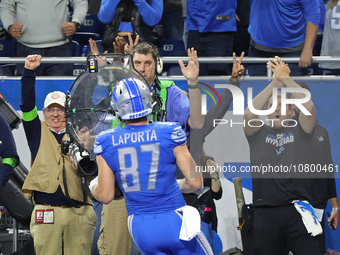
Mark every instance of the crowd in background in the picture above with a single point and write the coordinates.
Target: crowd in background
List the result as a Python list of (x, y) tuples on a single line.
[(215, 29), (253, 28)]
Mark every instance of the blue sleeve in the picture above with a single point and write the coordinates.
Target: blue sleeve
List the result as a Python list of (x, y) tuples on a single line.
[(176, 134), (7, 151), (101, 142), (107, 10), (311, 10), (178, 107), (98, 146), (151, 13), (172, 136), (31, 121)]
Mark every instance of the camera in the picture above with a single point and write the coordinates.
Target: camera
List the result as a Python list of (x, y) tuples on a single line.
[(10, 114), (84, 160)]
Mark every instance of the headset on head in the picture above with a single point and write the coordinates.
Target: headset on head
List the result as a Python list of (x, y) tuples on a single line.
[(159, 61)]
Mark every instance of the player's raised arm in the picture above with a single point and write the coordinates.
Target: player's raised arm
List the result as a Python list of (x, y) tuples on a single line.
[(193, 179)]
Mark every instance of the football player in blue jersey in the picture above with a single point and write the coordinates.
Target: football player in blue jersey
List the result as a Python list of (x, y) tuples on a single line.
[(142, 159)]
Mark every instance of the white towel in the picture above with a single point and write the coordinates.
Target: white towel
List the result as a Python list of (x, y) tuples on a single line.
[(319, 213), (191, 223), (309, 218)]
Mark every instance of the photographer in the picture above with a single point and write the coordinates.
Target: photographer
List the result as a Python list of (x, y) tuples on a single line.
[(63, 219)]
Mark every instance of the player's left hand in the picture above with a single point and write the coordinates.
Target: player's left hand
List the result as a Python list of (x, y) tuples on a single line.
[(69, 28), (306, 58), (191, 71), (92, 183), (333, 220)]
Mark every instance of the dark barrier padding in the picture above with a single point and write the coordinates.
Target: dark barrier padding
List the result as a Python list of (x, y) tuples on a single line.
[(20, 173), (12, 198)]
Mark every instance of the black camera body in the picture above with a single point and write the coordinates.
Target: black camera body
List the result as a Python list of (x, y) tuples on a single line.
[(84, 160), (10, 114)]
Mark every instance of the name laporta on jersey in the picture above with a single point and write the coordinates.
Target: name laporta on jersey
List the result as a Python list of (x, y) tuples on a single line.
[(135, 137), (279, 140), (158, 131)]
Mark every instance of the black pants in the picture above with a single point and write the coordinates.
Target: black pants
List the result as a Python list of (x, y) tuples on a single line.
[(47, 69), (261, 69), (212, 44), (241, 41), (278, 227)]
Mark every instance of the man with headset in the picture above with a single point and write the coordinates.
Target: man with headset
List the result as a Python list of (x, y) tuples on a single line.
[(175, 107)]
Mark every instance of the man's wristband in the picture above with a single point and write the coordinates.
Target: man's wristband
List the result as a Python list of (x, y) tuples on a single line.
[(336, 209), (10, 161), (76, 24), (215, 178), (193, 86)]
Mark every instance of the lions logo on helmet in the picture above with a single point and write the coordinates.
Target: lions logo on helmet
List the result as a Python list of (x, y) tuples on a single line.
[(131, 99)]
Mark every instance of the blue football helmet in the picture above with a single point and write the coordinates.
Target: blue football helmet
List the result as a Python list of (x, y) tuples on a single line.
[(131, 99)]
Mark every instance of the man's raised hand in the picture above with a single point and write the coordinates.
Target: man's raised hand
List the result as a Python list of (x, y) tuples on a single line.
[(128, 46), (238, 68), (191, 71), (278, 67), (32, 61)]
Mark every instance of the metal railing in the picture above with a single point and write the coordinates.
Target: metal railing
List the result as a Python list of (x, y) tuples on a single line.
[(324, 59), (169, 60)]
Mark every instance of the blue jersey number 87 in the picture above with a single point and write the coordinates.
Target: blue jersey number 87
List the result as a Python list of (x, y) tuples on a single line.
[(133, 168)]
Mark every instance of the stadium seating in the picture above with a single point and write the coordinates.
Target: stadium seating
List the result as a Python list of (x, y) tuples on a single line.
[(85, 51), (92, 25), (77, 68), (75, 49), (172, 48), (83, 40), (7, 69), (7, 49), (83, 37)]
